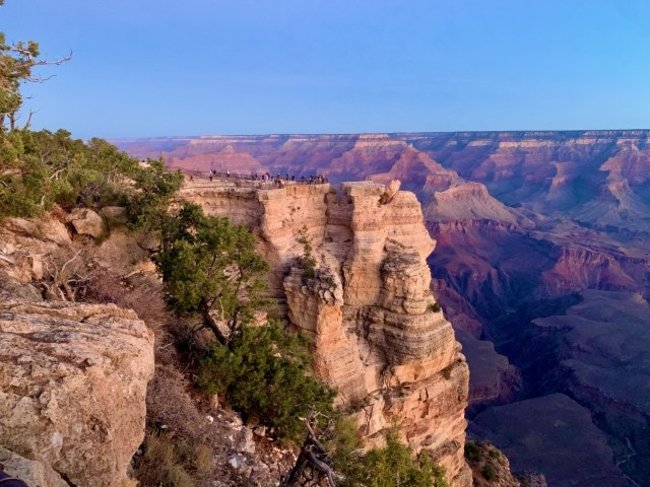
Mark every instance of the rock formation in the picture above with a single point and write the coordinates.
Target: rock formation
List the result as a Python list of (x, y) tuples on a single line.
[(87, 222), (73, 381), (522, 220), (378, 335), (31, 472), (73, 377), (491, 468)]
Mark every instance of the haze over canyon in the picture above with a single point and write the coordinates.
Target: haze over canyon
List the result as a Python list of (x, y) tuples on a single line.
[(542, 265)]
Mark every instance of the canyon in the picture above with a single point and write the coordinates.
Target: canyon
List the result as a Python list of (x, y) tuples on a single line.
[(542, 265)]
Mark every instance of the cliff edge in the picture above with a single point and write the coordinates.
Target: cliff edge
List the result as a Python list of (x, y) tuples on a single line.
[(379, 336)]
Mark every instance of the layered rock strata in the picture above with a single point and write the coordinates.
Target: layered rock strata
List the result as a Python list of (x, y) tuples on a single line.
[(378, 335)]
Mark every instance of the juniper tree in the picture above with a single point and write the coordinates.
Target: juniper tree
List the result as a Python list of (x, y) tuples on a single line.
[(210, 268)]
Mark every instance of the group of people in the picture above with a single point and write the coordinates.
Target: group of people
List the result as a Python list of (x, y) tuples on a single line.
[(214, 174), (278, 180)]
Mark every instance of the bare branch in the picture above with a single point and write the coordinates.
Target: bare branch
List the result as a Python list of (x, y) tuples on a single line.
[(71, 260), (314, 462), (29, 120)]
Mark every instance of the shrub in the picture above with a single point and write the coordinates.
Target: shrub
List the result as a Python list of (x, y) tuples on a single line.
[(488, 471), (264, 373), (306, 261), (210, 265), (394, 465), (172, 463), (344, 447), (43, 167), (472, 451), (435, 307)]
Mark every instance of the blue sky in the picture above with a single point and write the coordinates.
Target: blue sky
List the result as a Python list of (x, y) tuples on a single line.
[(172, 67)]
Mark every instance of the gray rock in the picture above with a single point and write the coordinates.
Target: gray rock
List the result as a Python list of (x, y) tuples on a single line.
[(87, 222), (32, 472)]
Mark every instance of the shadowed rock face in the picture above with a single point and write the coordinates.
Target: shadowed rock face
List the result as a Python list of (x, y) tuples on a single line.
[(377, 336), (562, 441), (596, 351), (521, 220)]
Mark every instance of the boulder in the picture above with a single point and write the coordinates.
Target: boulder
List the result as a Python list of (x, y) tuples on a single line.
[(114, 214), (32, 472), (27, 245), (87, 222), (73, 381)]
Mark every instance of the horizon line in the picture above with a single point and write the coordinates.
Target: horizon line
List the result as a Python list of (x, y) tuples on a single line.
[(335, 134)]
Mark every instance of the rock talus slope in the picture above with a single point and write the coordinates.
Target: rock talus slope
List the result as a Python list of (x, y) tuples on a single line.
[(377, 335)]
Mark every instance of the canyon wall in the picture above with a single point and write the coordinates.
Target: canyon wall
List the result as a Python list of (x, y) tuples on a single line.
[(378, 335)]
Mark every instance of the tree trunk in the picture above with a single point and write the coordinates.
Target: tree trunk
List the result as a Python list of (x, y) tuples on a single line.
[(211, 323)]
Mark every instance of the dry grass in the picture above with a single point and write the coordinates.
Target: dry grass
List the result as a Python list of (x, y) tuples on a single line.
[(140, 292), (170, 462)]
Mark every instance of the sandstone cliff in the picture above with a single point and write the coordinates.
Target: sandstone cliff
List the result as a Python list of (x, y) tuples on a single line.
[(377, 335)]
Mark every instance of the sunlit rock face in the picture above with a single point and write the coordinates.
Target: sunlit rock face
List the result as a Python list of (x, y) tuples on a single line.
[(377, 335), (73, 381)]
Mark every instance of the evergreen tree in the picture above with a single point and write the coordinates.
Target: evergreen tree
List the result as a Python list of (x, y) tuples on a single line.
[(210, 268)]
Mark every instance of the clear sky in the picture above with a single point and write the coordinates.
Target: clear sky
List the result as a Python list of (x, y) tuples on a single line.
[(190, 67)]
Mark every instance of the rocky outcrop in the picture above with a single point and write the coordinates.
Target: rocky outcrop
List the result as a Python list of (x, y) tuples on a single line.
[(87, 222), (73, 381), (468, 201), (519, 217), (490, 467), (579, 267), (26, 245), (378, 335), (31, 472)]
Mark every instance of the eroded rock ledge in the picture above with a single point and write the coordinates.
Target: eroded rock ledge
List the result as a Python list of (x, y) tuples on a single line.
[(379, 337), (73, 381)]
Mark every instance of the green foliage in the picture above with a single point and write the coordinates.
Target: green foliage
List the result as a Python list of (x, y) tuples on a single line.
[(306, 261), (16, 64), (435, 307), (472, 452), (211, 269), (172, 463), (41, 168), (210, 265), (264, 373), (393, 466), (488, 471), (345, 449), (155, 188)]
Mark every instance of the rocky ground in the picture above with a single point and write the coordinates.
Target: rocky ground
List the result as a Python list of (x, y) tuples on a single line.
[(79, 368)]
